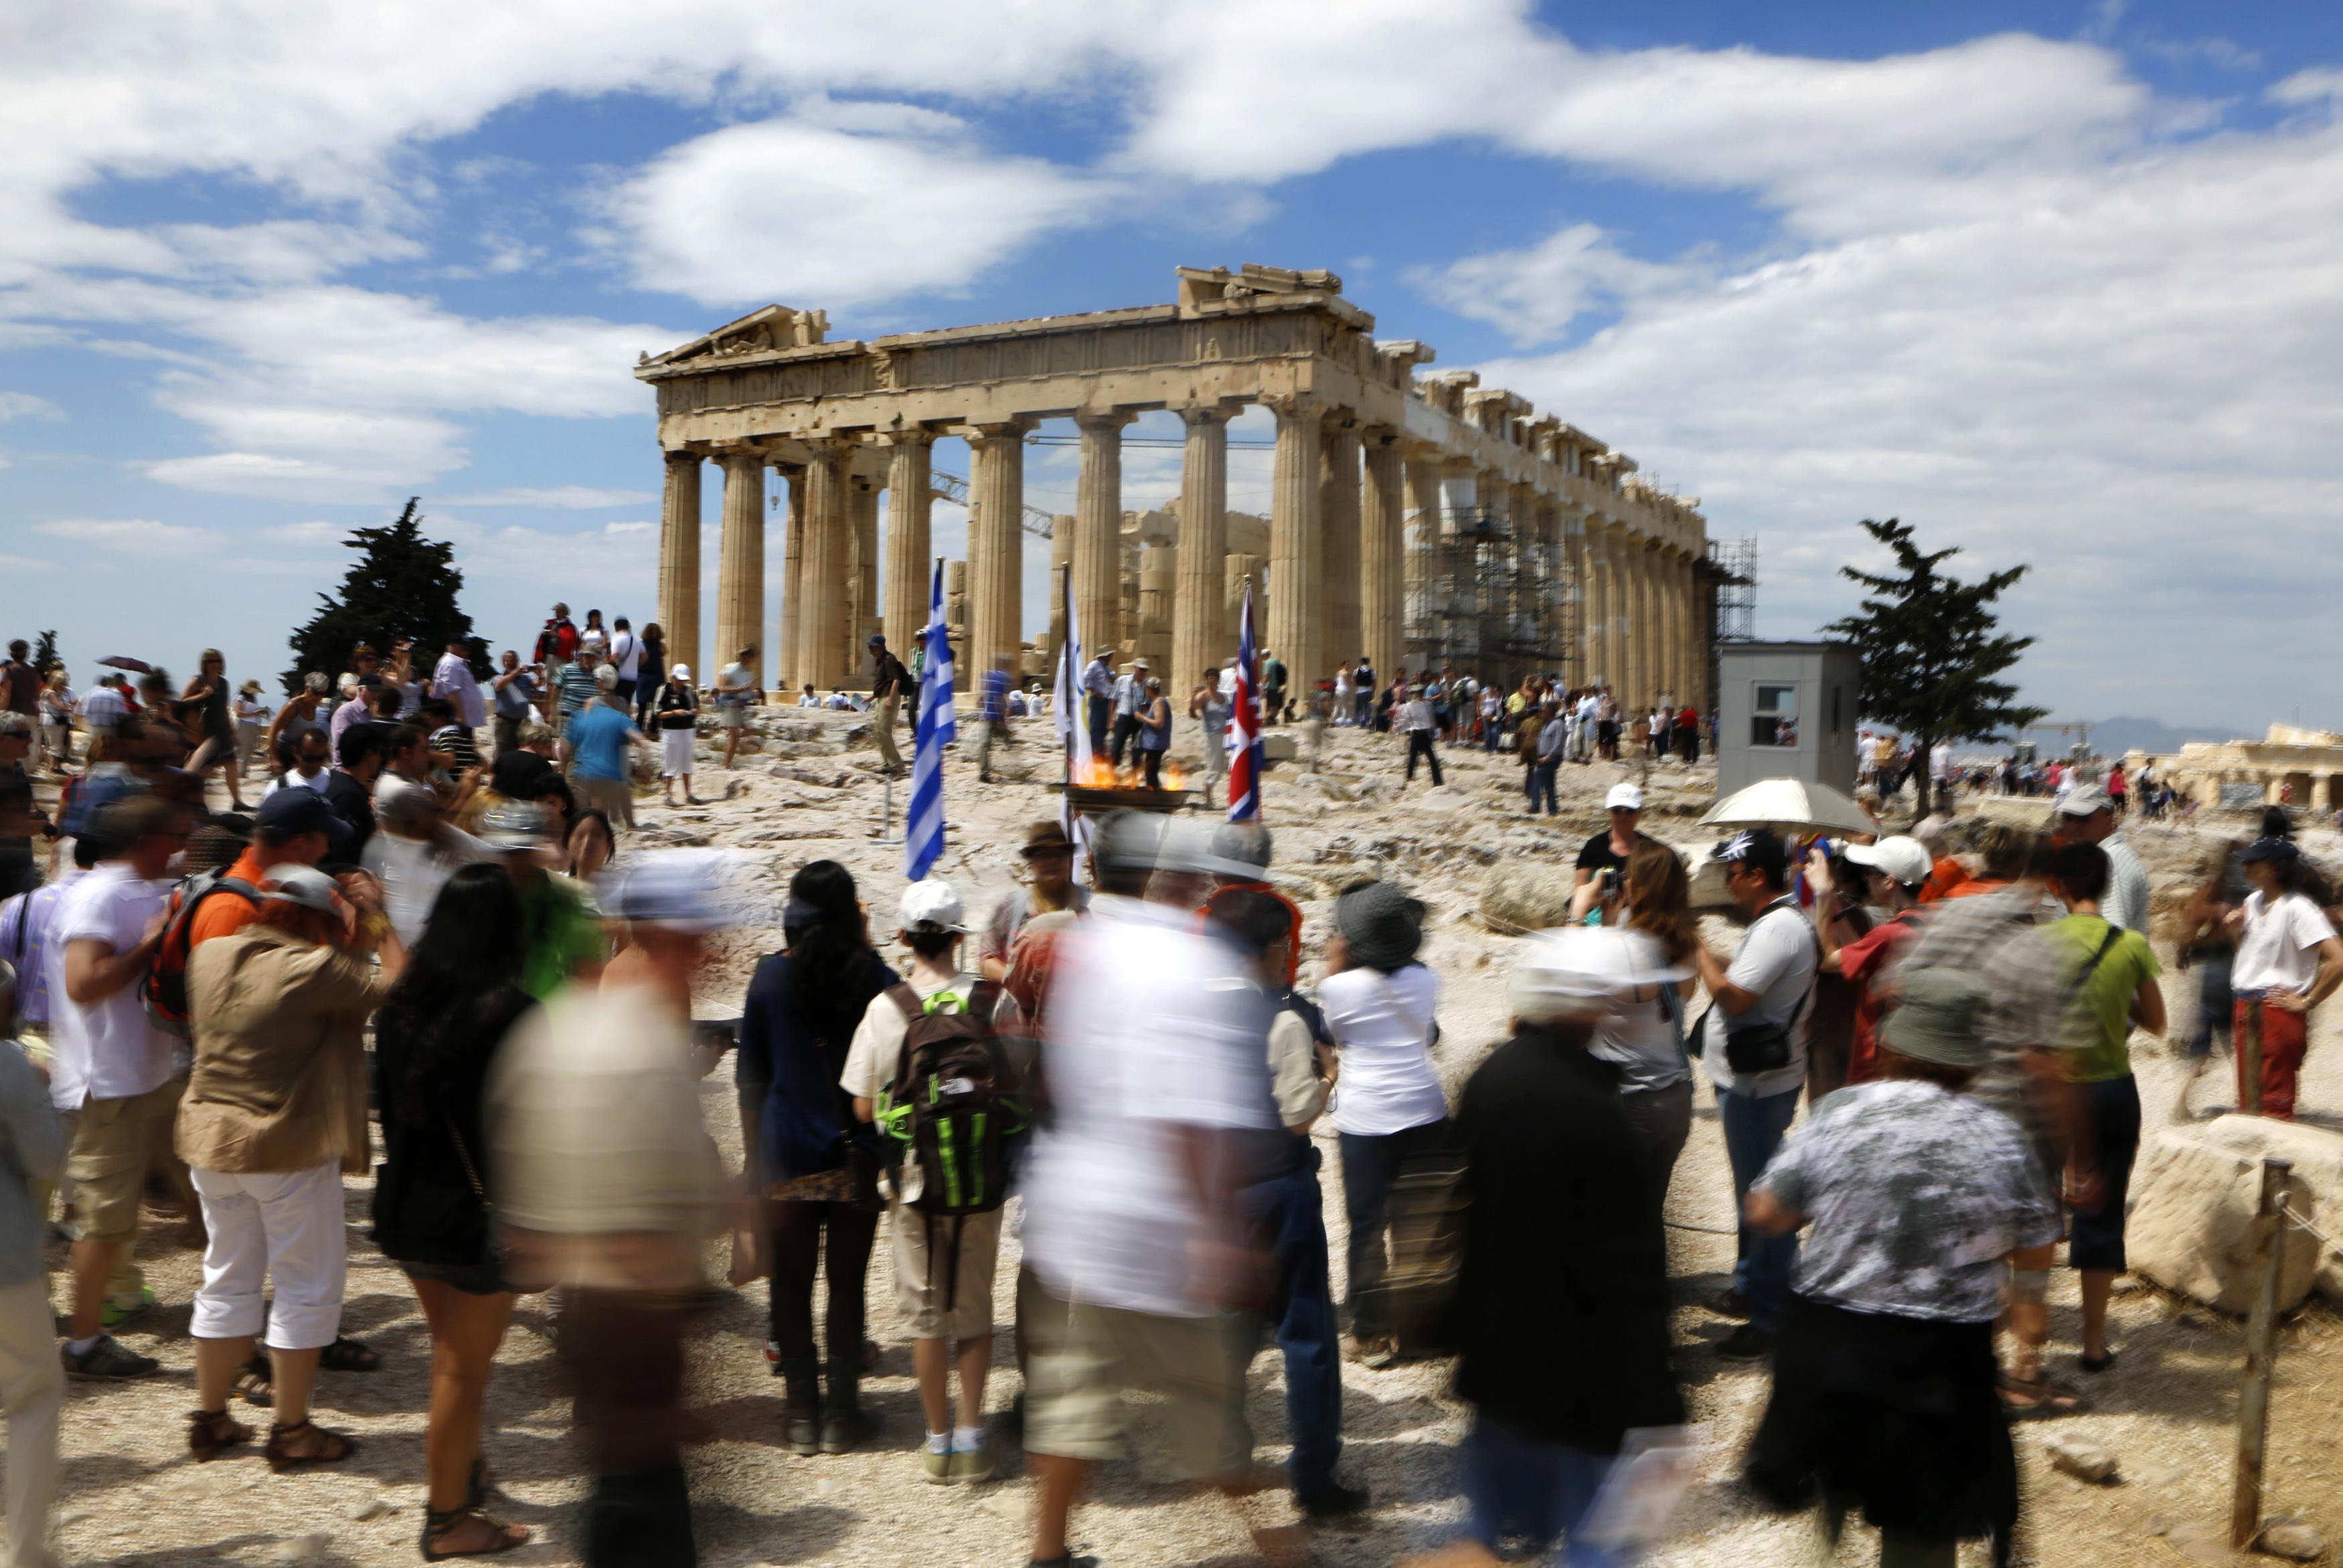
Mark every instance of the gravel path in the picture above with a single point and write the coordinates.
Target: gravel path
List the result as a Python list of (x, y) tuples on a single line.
[(132, 1497)]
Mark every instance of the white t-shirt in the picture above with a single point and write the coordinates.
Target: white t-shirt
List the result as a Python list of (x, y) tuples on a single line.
[(1151, 1029), (1776, 958), (1641, 1037), (2279, 949), (413, 871), (627, 653), (877, 1044), (2125, 902), (109, 1050), (1383, 1026), (293, 781)]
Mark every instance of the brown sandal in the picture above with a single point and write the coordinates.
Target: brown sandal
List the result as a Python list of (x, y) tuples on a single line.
[(332, 1447), (210, 1433), (502, 1537)]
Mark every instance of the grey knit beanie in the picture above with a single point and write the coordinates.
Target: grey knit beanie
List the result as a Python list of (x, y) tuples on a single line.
[(1383, 926)]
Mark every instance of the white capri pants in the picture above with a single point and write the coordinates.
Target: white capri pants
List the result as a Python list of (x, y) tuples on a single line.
[(285, 1226), (674, 752)]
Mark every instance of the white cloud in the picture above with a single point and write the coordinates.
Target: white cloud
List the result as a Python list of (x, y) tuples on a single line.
[(1533, 295), (569, 498), (24, 406), (800, 208), (141, 535)]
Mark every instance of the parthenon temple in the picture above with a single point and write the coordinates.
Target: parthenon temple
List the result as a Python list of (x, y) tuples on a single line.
[(1420, 518)]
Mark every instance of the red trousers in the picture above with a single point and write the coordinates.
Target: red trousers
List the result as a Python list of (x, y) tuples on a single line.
[(2284, 1037)]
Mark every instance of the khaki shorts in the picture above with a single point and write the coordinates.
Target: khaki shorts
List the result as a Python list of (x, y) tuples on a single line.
[(1079, 1359), (116, 1142), (921, 1304)]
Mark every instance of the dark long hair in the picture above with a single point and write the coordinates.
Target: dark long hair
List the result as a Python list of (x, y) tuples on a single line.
[(464, 972), (827, 940)]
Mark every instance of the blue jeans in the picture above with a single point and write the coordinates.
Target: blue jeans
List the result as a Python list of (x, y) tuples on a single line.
[(1754, 1126), (1541, 782), (1289, 1213), (1372, 1162), (1534, 1492)]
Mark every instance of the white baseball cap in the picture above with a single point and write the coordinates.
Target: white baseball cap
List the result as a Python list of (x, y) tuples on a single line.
[(1624, 798), (1905, 859), (1586, 971), (931, 905), (305, 886), (2085, 799)]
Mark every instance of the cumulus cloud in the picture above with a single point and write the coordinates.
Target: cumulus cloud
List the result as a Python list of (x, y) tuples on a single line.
[(566, 498), (24, 406), (142, 535)]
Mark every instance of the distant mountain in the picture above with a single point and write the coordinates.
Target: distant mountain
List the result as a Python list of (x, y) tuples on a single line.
[(2114, 736)]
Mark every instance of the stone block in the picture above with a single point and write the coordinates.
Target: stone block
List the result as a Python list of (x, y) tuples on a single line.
[(2194, 1195), (1526, 896), (1277, 747)]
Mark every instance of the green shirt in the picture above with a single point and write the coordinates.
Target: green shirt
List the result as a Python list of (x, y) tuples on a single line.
[(2097, 1025), (564, 934)]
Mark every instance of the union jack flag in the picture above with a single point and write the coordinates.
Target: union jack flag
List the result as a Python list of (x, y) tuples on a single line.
[(1245, 760)]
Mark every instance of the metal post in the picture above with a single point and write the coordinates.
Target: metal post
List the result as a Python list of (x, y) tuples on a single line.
[(2261, 1352), (2249, 1090)]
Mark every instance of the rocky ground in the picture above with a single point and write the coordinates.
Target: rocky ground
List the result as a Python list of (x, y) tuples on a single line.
[(2165, 1413)]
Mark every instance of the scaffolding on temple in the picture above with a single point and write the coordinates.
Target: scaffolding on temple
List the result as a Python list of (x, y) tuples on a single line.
[(1734, 565), (1485, 601)]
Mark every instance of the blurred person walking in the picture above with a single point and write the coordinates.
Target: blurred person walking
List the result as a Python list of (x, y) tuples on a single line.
[(1913, 1194), (2087, 815), (436, 1038), (1210, 707), (607, 1185), (1421, 721), (599, 737), (1049, 856), (1381, 1007), (891, 683), (1893, 872), (1753, 1050), (2288, 961), (814, 1163), (31, 1385), (452, 678), (654, 660), (515, 690), (675, 711), (1154, 733), (735, 683), (274, 1116), (1645, 1037), (210, 704)]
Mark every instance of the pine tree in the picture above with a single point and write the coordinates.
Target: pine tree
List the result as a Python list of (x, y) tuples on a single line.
[(44, 652), (1929, 649), (401, 585)]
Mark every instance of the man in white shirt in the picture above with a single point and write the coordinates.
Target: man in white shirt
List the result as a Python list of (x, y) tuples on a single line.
[(452, 678), (1584, 721), (627, 654), (112, 1073), (1764, 994), (2086, 816), (1136, 1264), (310, 764), (1098, 693), (1421, 722), (1129, 691)]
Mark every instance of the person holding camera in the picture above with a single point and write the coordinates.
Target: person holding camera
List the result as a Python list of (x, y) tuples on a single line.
[(1753, 1050), (1603, 862)]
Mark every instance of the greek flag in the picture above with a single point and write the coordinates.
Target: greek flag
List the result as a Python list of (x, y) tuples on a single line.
[(923, 832)]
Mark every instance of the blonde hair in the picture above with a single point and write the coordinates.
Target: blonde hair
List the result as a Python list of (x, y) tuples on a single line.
[(1659, 897)]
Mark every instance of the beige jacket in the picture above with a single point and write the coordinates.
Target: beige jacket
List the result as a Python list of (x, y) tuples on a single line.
[(279, 1077)]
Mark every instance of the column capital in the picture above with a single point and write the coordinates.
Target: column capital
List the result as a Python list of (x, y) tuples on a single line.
[(1293, 406), (1207, 414), (998, 432), (682, 454), (908, 435), (1105, 418), (1381, 436)]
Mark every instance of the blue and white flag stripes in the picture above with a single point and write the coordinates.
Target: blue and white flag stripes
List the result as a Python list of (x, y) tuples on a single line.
[(923, 828), (1066, 696), (1246, 760)]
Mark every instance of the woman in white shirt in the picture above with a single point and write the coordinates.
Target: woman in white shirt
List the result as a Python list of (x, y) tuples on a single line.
[(1379, 1005), (2288, 961)]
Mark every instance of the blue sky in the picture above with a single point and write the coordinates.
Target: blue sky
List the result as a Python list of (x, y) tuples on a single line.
[(2055, 282)]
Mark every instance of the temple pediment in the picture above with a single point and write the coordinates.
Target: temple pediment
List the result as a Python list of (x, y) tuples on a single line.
[(774, 329)]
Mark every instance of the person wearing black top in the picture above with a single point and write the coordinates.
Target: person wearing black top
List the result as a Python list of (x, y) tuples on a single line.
[(1607, 851), (653, 641), (349, 787), (807, 1152), (1561, 1314), (435, 1038)]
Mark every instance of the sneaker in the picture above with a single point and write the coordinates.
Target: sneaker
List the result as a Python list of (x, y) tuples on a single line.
[(113, 1316), (1337, 1501), (1730, 1302), (972, 1464), (107, 1359), (937, 1468), (1746, 1344)]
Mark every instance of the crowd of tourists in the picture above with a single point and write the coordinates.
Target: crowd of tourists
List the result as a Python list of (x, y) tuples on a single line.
[(416, 954)]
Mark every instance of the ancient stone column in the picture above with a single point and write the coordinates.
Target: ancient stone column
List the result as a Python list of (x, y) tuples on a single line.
[(909, 455), (1382, 554), (1202, 635), (862, 582), (1680, 677), (1098, 528), (996, 547), (822, 571), (741, 561), (1338, 533), (784, 661), (1296, 593), (1425, 586), (678, 578), (1532, 631), (1602, 605), (1636, 579)]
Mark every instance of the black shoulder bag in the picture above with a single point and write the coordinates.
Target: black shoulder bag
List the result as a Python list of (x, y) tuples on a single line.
[(1764, 1047)]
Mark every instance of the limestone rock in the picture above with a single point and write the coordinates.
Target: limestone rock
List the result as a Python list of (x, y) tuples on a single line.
[(2193, 1199), (372, 1506), (2079, 1457), (310, 1548), (2317, 1193), (2291, 1538), (1526, 896), (821, 777)]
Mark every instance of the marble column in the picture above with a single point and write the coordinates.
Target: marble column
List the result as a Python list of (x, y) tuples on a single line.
[(678, 579), (1382, 554), (996, 547), (1603, 562), (740, 561), (1425, 587), (784, 662), (821, 572), (1200, 635), (1296, 593), (910, 493), (1531, 632), (1339, 560), (1638, 578), (862, 580), (1098, 531)]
